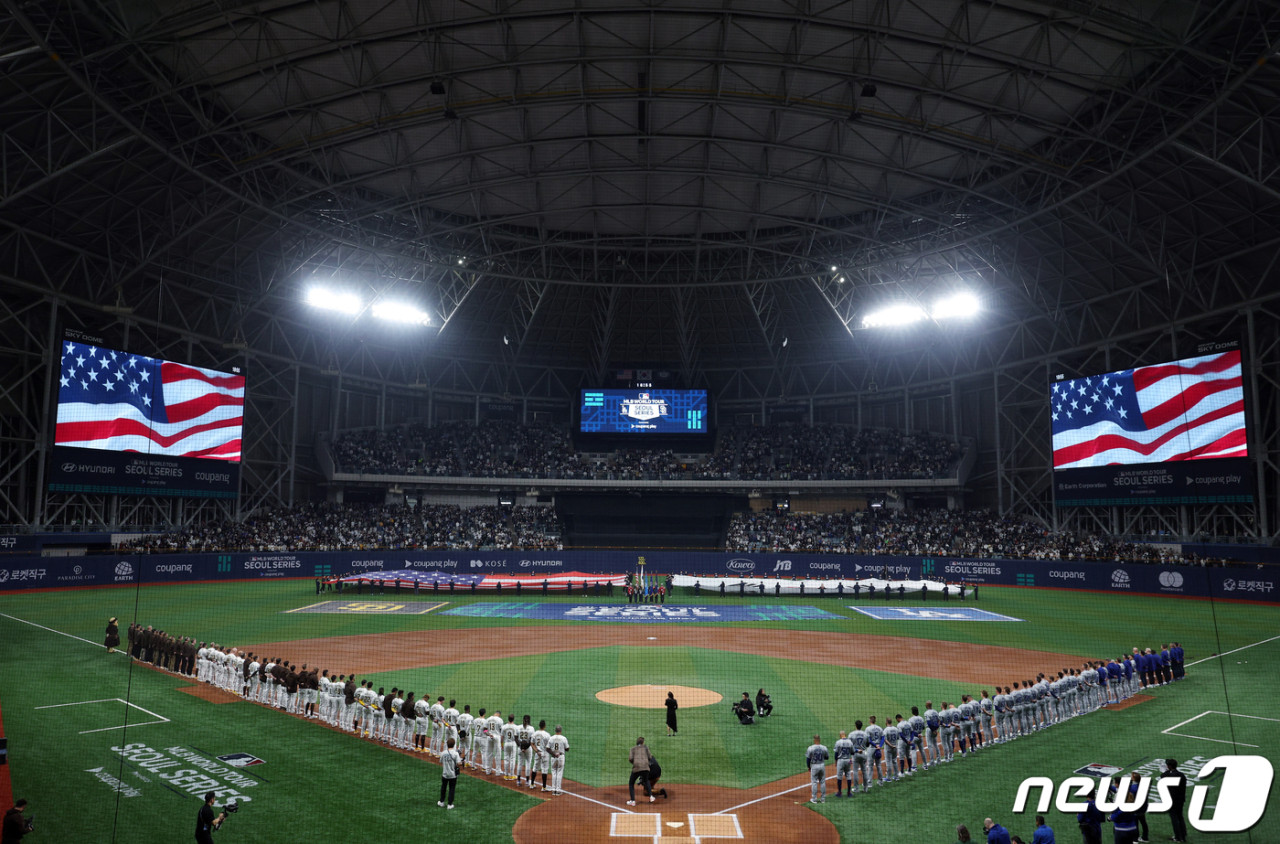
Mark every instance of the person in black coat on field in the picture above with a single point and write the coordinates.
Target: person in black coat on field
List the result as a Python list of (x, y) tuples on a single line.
[(744, 710), (764, 704), (672, 706)]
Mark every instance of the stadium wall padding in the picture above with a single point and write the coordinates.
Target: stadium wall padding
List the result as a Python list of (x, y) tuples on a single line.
[(1241, 582)]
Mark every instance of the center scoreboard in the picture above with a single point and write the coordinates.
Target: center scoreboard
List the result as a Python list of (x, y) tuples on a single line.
[(648, 411)]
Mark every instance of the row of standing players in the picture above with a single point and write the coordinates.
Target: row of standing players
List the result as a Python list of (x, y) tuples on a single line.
[(902, 746), (483, 742)]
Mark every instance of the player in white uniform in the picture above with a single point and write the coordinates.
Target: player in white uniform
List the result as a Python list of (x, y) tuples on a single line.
[(364, 700), (525, 752), (398, 723), (510, 731), (451, 716), (541, 759), (255, 682), (422, 726), (437, 726), (202, 664), (466, 736), (557, 747), (493, 750)]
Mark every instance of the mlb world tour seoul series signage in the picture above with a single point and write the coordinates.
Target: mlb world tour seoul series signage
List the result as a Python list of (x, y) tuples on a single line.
[(1245, 582)]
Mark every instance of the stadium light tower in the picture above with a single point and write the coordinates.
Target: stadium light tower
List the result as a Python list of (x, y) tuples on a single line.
[(403, 313), (960, 305), (333, 300), (956, 306), (894, 315)]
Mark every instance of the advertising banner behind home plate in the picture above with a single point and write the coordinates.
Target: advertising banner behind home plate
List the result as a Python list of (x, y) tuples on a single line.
[(1247, 582)]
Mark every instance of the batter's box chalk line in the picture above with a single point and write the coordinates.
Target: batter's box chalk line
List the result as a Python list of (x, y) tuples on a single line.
[(160, 718)]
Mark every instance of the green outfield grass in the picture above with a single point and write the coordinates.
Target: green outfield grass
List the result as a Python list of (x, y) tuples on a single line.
[(312, 774)]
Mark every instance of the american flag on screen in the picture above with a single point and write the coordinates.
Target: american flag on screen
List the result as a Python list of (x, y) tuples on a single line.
[(115, 401), (1190, 409)]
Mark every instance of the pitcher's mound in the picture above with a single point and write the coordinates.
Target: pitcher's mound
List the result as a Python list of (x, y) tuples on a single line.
[(654, 697)]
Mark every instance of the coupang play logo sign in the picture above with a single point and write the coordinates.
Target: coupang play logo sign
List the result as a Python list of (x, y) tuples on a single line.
[(1241, 800)]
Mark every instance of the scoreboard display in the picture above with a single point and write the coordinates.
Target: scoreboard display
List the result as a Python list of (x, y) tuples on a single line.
[(647, 411)]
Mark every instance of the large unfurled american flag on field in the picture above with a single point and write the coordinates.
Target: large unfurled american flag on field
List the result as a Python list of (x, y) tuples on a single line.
[(1190, 409), (115, 401)]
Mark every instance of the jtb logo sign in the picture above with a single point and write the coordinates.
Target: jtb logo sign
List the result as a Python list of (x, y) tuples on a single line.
[(782, 565), (1242, 797)]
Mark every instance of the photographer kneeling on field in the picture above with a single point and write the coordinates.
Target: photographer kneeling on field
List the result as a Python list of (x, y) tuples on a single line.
[(744, 710), (206, 822)]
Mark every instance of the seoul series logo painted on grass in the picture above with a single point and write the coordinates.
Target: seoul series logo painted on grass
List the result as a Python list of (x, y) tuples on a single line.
[(1242, 795)]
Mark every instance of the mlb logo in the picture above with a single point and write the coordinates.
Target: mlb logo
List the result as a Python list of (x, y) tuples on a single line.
[(1099, 770), (241, 760)]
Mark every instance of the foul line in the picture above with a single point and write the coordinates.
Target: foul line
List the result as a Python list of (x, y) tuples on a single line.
[(609, 806), (769, 797), (70, 636), (1237, 650), (1170, 730), (309, 606)]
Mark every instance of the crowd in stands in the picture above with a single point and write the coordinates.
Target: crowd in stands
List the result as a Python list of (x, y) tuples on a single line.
[(953, 533), (346, 527), (415, 449), (504, 449), (339, 527)]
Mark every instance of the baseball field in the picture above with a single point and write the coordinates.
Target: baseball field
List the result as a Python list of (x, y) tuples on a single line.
[(106, 749)]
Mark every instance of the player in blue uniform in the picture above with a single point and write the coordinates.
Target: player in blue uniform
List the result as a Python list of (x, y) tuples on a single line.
[(916, 722), (843, 750), (861, 756), (875, 747), (815, 758)]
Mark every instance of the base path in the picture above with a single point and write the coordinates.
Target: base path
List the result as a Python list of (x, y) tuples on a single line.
[(962, 662)]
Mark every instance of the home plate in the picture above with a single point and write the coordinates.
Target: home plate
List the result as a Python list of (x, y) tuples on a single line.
[(676, 824)]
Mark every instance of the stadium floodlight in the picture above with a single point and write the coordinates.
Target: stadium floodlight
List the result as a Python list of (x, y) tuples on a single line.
[(956, 306), (894, 315), (333, 300), (401, 312)]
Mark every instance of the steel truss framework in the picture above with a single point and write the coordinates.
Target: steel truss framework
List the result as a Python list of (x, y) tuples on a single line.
[(709, 190)]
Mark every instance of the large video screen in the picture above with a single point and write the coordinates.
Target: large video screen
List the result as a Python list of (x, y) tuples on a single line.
[(129, 423), (1168, 433), (643, 412)]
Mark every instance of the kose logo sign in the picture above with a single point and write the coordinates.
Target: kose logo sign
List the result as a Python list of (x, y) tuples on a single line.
[(1241, 799), (740, 565)]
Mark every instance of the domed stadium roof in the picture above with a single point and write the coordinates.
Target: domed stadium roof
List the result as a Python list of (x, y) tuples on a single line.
[(724, 190)]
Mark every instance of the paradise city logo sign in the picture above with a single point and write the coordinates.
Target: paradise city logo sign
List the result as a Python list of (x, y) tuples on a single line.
[(1242, 794)]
